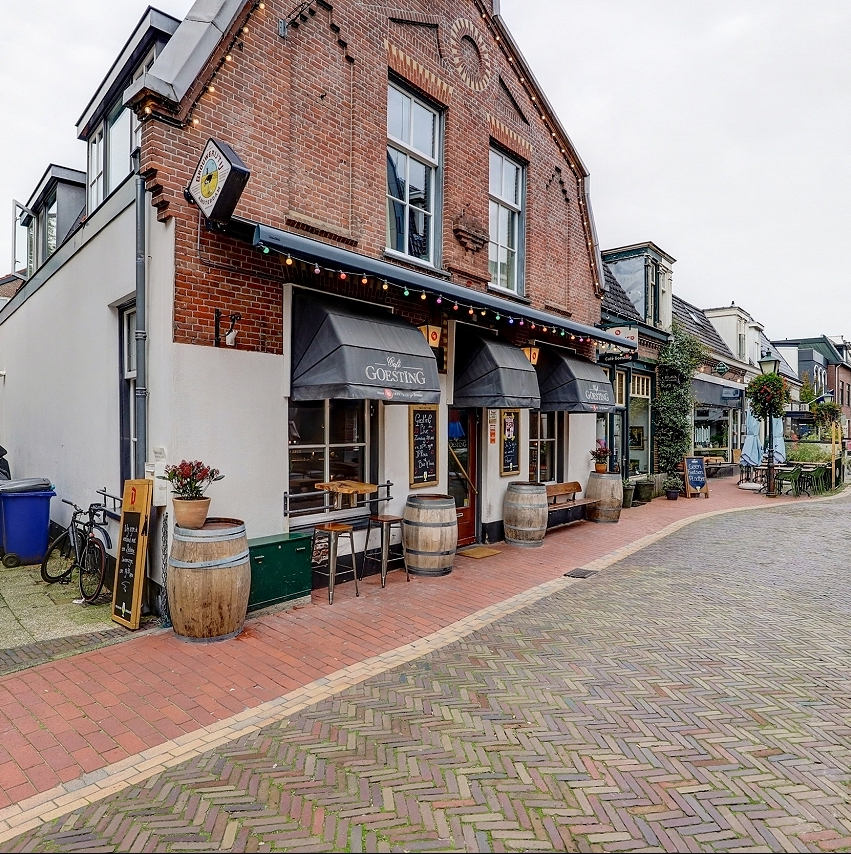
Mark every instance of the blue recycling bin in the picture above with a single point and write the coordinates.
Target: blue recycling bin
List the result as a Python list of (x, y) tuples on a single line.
[(24, 526)]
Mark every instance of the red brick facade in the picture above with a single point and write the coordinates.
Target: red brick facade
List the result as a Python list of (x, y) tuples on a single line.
[(839, 381), (307, 114)]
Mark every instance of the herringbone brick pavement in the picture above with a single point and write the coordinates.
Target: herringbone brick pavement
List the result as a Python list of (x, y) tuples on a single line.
[(696, 697)]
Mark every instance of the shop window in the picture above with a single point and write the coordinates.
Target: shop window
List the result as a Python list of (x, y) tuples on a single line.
[(328, 441), (542, 446), (638, 440), (127, 391), (413, 160), (712, 432), (506, 222)]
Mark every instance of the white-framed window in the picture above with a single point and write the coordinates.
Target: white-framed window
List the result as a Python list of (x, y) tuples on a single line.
[(542, 446), (118, 146), (47, 224), (413, 162), (127, 354), (136, 126), (640, 385), (505, 222), (620, 388), (328, 441), (96, 169)]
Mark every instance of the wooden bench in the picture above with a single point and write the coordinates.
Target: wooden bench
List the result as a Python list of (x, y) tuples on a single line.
[(571, 509)]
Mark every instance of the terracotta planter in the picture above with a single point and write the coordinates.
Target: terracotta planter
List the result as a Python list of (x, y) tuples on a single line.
[(601, 468), (191, 513)]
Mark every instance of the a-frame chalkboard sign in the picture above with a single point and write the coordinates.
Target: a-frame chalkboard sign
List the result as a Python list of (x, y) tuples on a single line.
[(132, 549), (694, 470)]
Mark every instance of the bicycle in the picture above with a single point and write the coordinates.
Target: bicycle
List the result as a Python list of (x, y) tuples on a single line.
[(79, 549)]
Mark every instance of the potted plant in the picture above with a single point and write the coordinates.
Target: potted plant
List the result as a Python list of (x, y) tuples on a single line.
[(644, 490), (628, 492), (672, 485), (601, 456), (189, 481)]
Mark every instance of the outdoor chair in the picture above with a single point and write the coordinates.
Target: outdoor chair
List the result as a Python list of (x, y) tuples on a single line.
[(792, 478), (817, 479)]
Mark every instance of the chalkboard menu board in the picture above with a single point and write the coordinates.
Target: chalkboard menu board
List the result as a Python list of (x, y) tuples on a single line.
[(132, 548), (694, 469), (423, 451), (509, 442)]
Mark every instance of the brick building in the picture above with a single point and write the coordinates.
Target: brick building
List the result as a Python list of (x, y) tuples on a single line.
[(408, 177)]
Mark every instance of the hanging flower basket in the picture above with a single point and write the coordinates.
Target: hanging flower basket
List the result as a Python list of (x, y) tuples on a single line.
[(768, 394)]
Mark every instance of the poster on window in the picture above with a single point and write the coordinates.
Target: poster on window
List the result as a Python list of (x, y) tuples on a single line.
[(509, 442)]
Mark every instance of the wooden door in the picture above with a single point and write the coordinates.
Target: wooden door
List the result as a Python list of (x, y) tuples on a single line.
[(462, 455)]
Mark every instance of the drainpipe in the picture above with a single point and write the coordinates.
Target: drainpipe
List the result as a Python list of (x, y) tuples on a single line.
[(141, 332)]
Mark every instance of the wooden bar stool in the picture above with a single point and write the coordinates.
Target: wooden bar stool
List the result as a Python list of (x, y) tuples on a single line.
[(332, 531), (385, 525)]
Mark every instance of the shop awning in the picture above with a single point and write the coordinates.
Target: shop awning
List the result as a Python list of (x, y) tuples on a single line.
[(492, 373), (570, 383), (715, 394), (338, 258), (347, 352)]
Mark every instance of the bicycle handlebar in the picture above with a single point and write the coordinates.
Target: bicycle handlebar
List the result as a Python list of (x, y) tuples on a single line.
[(93, 508)]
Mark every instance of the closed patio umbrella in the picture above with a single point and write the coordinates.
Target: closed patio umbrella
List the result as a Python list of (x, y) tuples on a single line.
[(779, 442), (752, 450)]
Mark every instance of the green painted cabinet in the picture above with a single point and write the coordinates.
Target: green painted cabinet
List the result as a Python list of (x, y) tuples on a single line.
[(280, 569)]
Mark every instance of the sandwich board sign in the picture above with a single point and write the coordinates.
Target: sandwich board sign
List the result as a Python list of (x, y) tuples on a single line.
[(694, 471)]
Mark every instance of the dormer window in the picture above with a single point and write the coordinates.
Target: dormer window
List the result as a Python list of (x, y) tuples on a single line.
[(95, 170), (49, 226)]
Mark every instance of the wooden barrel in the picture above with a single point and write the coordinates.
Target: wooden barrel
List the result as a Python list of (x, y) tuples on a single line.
[(430, 534), (209, 578), (525, 514), (608, 490)]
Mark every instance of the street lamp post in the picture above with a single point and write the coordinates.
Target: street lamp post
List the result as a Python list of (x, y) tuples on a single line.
[(828, 398), (769, 364)]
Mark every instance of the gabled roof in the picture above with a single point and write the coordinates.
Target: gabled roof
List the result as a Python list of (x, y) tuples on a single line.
[(615, 300), (786, 370), (10, 285), (699, 325)]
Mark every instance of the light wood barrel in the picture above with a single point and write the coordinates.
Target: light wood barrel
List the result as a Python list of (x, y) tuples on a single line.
[(608, 490), (209, 578), (525, 514), (430, 534)]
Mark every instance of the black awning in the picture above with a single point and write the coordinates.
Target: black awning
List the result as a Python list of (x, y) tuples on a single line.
[(570, 383), (307, 248), (343, 350), (491, 373), (716, 394)]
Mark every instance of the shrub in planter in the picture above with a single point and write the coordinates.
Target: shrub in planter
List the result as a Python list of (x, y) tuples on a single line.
[(672, 485), (628, 492), (644, 490)]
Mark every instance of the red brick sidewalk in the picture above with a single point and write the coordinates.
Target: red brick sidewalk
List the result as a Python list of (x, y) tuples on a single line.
[(63, 719)]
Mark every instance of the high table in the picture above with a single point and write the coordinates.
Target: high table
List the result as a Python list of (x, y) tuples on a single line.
[(352, 488)]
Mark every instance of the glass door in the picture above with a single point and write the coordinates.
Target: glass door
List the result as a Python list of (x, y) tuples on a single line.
[(462, 457)]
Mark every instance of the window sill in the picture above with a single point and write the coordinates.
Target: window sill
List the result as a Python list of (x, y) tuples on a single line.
[(505, 292), (393, 255)]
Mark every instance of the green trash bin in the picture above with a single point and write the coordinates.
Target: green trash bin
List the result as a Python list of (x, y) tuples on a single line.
[(280, 569)]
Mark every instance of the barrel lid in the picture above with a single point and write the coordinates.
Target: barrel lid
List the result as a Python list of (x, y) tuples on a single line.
[(430, 497), (214, 526)]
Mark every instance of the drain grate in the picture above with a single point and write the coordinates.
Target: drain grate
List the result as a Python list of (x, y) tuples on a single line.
[(580, 573)]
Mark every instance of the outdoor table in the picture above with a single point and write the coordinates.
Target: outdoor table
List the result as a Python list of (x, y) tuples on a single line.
[(352, 488)]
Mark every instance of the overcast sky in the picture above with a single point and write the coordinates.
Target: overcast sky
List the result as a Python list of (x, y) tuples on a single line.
[(717, 129)]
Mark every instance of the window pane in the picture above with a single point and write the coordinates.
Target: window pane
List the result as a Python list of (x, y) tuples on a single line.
[(419, 237), (118, 148), (396, 173), (130, 342), (50, 229), (419, 185), (534, 420), (546, 466), (493, 222), (510, 182), (424, 127), (307, 423), (398, 114), (492, 261), (307, 468), (548, 425), (495, 174), (503, 267), (503, 226), (511, 236), (511, 270), (346, 463), (347, 421), (395, 226)]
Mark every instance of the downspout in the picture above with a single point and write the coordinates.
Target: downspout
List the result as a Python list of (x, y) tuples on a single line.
[(141, 332)]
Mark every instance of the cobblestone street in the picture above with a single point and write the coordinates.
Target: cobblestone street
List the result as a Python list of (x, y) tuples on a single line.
[(695, 696)]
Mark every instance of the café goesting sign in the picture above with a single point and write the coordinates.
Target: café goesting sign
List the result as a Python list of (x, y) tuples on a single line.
[(218, 181)]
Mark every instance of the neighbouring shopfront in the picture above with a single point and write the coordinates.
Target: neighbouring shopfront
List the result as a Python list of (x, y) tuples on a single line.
[(718, 421)]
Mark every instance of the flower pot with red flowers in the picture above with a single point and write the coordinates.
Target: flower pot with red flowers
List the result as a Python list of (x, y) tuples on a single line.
[(601, 456), (189, 481)]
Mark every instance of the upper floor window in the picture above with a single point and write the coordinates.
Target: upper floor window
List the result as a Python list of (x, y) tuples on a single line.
[(95, 171), (506, 222), (48, 226), (413, 159)]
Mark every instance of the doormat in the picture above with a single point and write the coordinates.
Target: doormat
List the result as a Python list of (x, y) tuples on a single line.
[(580, 573), (479, 552)]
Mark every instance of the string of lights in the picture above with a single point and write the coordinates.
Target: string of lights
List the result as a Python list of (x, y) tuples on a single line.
[(447, 303)]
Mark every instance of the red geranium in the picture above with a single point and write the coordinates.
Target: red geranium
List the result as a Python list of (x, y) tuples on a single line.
[(189, 480)]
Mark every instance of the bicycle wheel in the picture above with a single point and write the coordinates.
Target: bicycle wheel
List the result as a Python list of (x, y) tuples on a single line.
[(92, 569), (59, 560)]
